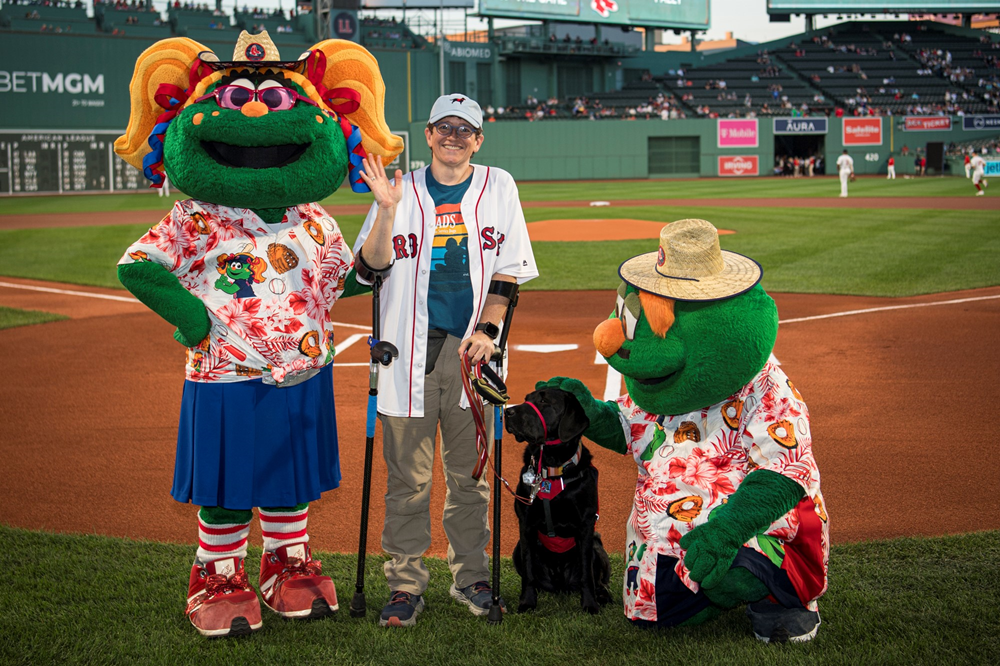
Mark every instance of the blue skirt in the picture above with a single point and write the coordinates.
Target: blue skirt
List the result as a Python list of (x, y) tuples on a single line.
[(250, 444)]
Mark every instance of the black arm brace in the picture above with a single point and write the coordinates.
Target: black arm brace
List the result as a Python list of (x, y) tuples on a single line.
[(501, 288), (367, 274)]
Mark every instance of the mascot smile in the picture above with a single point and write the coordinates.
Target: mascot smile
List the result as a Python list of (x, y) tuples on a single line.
[(727, 508)]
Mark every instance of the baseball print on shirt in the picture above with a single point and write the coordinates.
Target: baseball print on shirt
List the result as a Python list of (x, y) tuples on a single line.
[(268, 288)]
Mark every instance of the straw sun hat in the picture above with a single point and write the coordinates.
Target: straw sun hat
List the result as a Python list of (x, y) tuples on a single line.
[(690, 266)]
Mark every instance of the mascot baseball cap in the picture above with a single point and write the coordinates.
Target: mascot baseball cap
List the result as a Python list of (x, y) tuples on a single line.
[(458, 105)]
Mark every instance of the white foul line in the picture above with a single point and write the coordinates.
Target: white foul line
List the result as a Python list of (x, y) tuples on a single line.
[(124, 299), (888, 307), (129, 299), (337, 349)]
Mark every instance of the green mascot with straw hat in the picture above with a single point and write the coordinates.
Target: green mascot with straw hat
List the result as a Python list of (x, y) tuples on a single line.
[(727, 509)]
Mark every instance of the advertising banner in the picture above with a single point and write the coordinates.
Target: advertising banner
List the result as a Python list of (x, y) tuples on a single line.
[(653, 13), (862, 132), (801, 125), (741, 133), (981, 122), (739, 165), (926, 123), (992, 168)]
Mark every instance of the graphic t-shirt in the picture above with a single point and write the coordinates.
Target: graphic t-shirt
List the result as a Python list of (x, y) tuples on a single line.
[(449, 293)]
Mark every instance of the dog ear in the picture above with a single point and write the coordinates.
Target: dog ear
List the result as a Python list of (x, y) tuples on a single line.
[(574, 421)]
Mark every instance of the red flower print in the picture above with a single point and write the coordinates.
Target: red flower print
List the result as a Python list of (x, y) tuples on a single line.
[(309, 299), (240, 315), (638, 430), (674, 537), (647, 591), (173, 241)]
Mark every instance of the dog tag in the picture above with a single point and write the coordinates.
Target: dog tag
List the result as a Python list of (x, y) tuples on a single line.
[(529, 477)]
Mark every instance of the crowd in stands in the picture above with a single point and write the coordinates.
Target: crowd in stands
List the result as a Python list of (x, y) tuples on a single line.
[(76, 4), (259, 13)]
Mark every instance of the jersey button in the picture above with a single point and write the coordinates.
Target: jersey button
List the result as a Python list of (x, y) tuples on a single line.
[(420, 365)]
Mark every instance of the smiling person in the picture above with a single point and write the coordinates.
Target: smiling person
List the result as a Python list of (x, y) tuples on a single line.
[(456, 229), (247, 270)]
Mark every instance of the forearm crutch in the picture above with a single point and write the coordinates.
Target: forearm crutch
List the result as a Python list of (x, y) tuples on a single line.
[(382, 353), (508, 290)]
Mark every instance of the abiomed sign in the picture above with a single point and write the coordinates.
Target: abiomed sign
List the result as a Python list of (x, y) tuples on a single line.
[(926, 123), (801, 125), (737, 133), (739, 165), (862, 132)]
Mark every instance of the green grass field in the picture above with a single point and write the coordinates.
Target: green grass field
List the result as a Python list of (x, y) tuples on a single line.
[(704, 188), (89, 599), (876, 252)]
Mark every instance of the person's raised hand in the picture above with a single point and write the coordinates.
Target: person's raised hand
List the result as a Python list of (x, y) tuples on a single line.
[(387, 193)]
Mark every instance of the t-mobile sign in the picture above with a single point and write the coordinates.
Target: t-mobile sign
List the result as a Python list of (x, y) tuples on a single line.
[(740, 133), (862, 131)]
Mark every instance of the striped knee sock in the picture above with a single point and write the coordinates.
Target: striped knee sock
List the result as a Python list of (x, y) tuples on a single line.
[(222, 533), (281, 527)]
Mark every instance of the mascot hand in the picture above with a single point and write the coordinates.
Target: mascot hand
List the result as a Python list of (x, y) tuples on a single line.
[(762, 498), (605, 425), (710, 551), (162, 292), (192, 341)]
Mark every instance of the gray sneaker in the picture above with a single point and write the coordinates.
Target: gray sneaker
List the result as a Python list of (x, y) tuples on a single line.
[(478, 597), (773, 623), (402, 610)]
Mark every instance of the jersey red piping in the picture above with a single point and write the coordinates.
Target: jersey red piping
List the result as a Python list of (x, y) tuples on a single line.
[(482, 259), (416, 273)]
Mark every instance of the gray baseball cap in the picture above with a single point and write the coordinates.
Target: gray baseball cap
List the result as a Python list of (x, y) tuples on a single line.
[(458, 105)]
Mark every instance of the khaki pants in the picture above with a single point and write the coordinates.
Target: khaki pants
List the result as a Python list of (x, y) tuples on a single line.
[(408, 449)]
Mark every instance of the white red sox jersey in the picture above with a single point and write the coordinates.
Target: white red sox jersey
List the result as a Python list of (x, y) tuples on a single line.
[(845, 163), (690, 464), (978, 164), (498, 243), (268, 288)]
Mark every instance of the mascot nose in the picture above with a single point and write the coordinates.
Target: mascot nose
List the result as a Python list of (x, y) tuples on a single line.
[(254, 109), (609, 337)]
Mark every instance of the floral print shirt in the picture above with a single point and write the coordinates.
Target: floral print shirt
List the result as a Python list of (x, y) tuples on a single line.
[(689, 465), (268, 288)]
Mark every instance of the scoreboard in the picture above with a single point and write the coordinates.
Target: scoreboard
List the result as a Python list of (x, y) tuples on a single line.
[(880, 7), (57, 162), (693, 14)]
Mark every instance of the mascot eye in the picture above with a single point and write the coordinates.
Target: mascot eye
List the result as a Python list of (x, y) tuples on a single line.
[(236, 265), (630, 314), (620, 301)]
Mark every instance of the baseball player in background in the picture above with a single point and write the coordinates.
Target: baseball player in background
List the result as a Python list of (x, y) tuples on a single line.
[(968, 165), (456, 229), (892, 168), (845, 165), (978, 165)]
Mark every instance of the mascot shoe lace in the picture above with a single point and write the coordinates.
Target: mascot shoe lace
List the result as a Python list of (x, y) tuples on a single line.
[(220, 599), (291, 583)]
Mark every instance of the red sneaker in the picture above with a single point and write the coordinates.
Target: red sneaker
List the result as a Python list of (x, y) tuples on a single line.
[(221, 601), (291, 584)]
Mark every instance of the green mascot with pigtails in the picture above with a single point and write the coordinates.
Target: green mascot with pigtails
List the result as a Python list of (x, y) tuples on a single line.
[(247, 270), (727, 509)]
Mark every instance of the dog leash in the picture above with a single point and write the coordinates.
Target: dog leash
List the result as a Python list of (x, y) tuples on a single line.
[(491, 389)]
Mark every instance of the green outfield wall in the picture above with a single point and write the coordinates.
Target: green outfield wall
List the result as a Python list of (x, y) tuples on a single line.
[(79, 85)]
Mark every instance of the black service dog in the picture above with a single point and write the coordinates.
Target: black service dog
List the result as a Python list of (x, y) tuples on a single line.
[(558, 550)]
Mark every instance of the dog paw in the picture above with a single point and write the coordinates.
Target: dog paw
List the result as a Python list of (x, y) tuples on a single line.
[(526, 608)]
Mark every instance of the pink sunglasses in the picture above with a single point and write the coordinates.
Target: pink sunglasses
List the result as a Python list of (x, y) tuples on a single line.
[(275, 98)]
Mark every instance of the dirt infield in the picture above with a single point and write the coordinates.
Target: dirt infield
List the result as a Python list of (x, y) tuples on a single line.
[(151, 217), (902, 403)]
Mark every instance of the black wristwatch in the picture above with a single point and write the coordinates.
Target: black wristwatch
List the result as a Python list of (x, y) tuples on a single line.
[(492, 330)]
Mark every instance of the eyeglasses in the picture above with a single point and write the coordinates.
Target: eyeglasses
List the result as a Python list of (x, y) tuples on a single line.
[(463, 131), (275, 98)]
